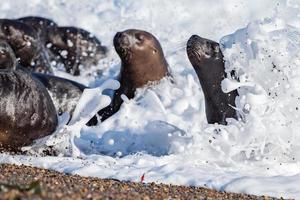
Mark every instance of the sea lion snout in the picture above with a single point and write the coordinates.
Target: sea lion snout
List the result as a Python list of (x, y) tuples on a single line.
[(121, 40), (17, 33), (21, 38), (122, 45), (192, 40)]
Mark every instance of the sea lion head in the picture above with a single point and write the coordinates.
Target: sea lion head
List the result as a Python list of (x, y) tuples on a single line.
[(8, 59), (199, 49), (141, 55), (75, 47), (132, 43), (21, 38), (207, 60), (142, 62)]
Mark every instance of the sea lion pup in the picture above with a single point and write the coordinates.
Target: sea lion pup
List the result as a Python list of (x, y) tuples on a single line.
[(26, 44), (207, 59), (26, 109), (75, 48), (42, 26), (142, 62)]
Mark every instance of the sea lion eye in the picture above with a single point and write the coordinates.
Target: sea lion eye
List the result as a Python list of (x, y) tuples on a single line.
[(6, 30), (140, 37), (26, 37)]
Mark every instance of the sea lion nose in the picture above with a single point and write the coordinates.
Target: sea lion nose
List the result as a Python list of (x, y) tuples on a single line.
[(122, 39), (119, 37)]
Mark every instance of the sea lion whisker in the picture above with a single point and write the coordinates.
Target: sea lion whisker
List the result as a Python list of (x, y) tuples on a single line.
[(194, 53)]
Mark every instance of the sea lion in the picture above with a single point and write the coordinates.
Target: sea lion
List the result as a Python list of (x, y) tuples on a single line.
[(75, 48), (142, 62), (22, 39), (26, 44), (45, 57), (53, 46), (26, 109), (64, 93), (207, 59)]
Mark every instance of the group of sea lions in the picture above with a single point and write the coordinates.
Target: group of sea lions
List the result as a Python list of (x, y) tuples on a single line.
[(32, 97)]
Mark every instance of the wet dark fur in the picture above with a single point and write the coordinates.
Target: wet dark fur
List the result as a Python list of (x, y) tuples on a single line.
[(26, 44), (142, 62), (61, 89), (63, 92), (42, 26), (207, 59), (51, 45), (83, 49), (22, 39), (26, 110)]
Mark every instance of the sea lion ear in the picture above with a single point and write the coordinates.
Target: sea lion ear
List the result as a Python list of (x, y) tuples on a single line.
[(154, 50), (139, 36)]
